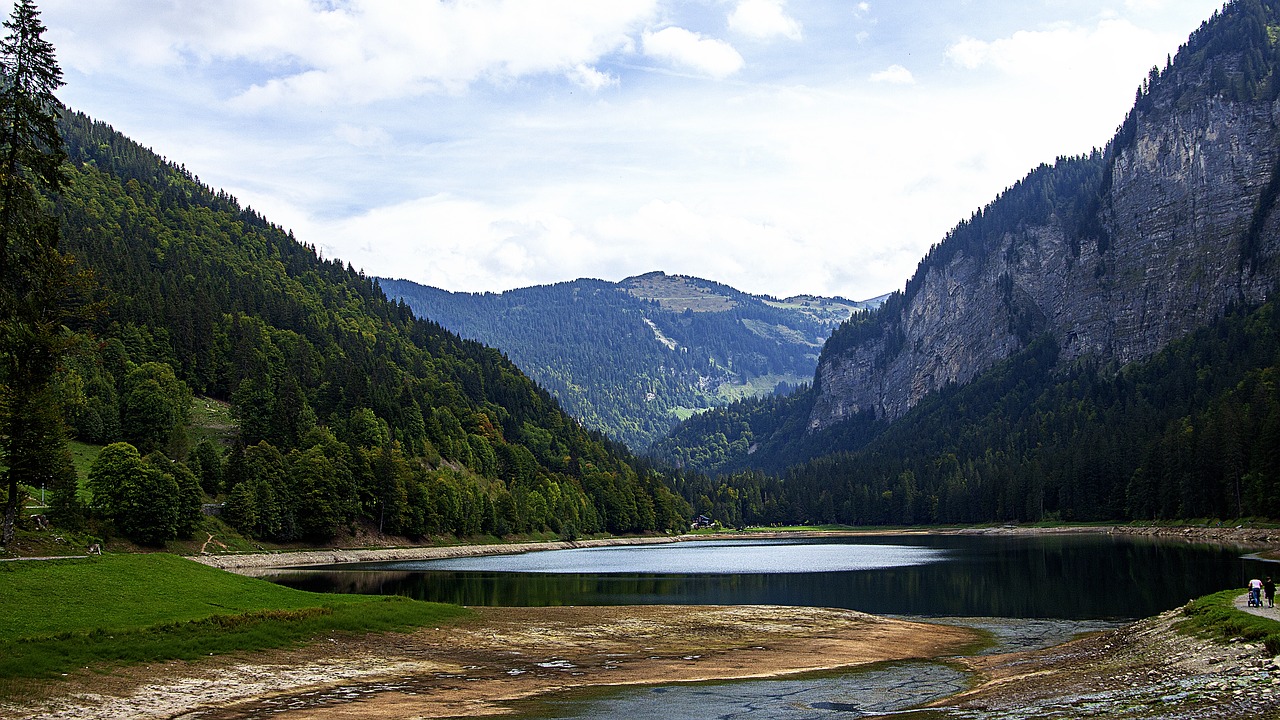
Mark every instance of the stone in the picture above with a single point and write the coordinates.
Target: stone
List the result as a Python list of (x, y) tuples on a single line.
[(1178, 210)]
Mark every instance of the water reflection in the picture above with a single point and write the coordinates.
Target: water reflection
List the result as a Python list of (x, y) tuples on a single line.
[(1075, 577), (705, 557)]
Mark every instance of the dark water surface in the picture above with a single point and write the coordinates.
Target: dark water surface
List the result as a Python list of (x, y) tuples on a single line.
[(1045, 587), (1045, 576)]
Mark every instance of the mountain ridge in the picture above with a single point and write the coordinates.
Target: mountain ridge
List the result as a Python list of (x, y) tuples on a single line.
[(1114, 254), (629, 358)]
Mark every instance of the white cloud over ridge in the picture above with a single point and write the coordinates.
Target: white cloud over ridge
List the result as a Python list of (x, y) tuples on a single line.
[(1076, 51)]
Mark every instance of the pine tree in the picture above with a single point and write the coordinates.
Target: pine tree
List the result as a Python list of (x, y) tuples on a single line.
[(29, 137), (38, 284)]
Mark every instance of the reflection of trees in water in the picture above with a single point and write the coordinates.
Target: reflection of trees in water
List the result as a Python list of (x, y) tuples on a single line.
[(1055, 576)]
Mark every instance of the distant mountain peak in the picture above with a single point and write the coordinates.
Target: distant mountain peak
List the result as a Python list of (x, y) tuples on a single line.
[(633, 357), (678, 293)]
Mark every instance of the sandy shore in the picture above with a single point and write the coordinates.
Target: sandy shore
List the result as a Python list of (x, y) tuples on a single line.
[(490, 663)]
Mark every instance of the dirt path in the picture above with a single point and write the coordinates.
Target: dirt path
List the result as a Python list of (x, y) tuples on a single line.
[(499, 658), (1242, 604)]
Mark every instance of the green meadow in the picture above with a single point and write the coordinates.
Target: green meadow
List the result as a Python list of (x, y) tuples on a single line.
[(1216, 616), (65, 615)]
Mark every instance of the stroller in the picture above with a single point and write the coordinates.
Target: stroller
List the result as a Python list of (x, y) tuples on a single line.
[(1255, 597)]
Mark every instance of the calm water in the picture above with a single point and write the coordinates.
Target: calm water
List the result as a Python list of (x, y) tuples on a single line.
[(1058, 576), (1069, 583)]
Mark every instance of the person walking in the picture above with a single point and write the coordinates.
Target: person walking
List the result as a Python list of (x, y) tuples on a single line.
[(1255, 593), (1269, 589)]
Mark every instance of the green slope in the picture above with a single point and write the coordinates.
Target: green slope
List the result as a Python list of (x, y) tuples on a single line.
[(630, 359), (349, 409), (63, 615)]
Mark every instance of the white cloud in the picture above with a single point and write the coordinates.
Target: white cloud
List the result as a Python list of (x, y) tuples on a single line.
[(1071, 52), (763, 20), (437, 139), (894, 75), (1144, 5), (360, 51), (362, 137), (591, 79), (969, 53), (459, 244), (683, 47)]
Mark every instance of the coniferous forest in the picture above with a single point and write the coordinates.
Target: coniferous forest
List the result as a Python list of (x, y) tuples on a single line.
[(630, 360), (349, 409), (1188, 433), (132, 290)]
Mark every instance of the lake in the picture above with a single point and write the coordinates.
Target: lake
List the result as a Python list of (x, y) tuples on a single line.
[(1044, 587), (1065, 576)]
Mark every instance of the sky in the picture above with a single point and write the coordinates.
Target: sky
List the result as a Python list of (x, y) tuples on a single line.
[(782, 147)]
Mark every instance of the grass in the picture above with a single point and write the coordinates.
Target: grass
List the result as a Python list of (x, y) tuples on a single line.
[(758, 386), (82, 456), (210, 419), (65, 615), (1216, 616)]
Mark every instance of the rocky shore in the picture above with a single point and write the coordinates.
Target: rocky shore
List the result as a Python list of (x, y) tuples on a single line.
[(1143, 670)]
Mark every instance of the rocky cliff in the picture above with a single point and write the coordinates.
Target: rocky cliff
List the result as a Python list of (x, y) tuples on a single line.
[(1113, 254)]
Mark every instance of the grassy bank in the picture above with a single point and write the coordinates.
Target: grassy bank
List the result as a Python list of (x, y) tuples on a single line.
[(1216, 616), (65, 615)]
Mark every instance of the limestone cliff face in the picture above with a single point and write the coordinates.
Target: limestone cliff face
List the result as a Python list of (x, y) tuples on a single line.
[(1177, 223)]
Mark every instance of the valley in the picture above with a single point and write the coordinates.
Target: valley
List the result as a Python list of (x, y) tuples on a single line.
[(243, 477)]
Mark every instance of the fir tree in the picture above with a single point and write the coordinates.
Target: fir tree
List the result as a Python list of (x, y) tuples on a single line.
[(37, 282)]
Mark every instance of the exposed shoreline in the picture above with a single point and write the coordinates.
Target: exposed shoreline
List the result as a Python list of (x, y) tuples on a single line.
[(502, 658), (246, 563)]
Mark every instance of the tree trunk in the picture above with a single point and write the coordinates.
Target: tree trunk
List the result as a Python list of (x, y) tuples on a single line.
[(10, 514)]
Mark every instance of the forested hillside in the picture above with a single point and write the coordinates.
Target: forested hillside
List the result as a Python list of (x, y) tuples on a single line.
[(1096, 343), (631, 359), (1114, 254), (1192, 433), (349, 409)]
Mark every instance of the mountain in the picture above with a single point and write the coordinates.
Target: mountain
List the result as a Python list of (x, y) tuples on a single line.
[(630, 359), (350, 410), (1098, 342), (1113, 254)]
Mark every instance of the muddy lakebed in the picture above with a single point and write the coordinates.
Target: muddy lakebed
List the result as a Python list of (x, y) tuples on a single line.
[(1024, 592)]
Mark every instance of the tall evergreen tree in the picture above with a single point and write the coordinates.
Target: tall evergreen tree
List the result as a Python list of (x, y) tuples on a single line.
[(37, 282)]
